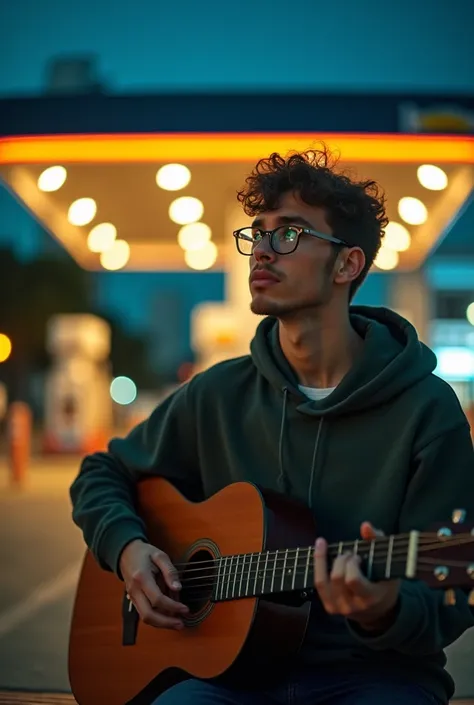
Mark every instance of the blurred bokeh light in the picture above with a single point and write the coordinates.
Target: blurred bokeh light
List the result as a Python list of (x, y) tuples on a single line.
[(117, 256), (432, 177), (186, 210), (52, 178), (123, 390), (5, 347), (173, 177), (82, 211), (102, 237), (194, 236)]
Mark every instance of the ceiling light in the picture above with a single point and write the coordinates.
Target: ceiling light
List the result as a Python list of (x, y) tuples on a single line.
[(432, 177), (52, 178), (194, 236), (396, 237), (186, 210), (412, 210), (173, 177), (386, 259), (101, 237), (203, 258), (117, 257), (82, 211)]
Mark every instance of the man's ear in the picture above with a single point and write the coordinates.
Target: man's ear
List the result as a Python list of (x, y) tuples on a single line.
[(349, 265)]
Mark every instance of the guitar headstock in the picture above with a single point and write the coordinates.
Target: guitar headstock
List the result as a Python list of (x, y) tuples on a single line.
[(445, 556)]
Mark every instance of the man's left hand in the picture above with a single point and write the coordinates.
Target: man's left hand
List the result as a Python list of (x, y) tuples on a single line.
[(347, 592)]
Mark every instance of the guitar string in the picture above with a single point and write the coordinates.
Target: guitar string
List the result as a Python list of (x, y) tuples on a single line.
[(302, 562), (452, 563), (298, 570), (291, 554), (349, 545), (208, 587)]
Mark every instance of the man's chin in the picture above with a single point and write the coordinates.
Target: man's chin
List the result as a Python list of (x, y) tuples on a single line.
[(263, 307)]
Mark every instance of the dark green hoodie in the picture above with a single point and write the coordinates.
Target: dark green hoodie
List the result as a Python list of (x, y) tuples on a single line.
[(390, 445)]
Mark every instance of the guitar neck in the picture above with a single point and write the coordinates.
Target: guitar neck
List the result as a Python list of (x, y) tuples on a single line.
[(291, 569)]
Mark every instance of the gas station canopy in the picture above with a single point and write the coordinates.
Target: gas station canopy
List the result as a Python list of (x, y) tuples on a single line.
[(100, 192)]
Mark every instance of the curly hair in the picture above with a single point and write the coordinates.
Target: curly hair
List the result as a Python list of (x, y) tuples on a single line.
[(355, 210)]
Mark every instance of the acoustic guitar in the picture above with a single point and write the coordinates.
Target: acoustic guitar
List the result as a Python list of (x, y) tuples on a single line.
[(245, 558)]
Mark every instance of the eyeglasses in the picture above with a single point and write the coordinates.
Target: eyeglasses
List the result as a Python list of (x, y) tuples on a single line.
[(283, 240)]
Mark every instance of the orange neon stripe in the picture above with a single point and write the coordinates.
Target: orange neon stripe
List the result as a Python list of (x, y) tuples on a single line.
[(221, 147)]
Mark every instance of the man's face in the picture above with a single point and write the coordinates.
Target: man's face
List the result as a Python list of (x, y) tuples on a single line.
[(302, 279)]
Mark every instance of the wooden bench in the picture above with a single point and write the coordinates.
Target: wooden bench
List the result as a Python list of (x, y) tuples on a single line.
[(15, 697)]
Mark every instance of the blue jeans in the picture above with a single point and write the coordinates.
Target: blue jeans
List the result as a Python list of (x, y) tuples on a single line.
[(307, 688)]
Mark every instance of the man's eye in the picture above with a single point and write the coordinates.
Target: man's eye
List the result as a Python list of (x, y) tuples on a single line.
[(289, 234)]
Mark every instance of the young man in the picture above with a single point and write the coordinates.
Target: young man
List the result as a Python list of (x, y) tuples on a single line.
[(336, 406)]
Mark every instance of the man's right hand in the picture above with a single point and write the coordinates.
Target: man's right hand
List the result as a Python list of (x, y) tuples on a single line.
[(140, 565)]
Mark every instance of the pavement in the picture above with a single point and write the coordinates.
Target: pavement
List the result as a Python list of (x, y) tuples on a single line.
[(41, 552)]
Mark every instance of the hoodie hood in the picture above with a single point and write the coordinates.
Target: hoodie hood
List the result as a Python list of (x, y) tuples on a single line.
[(393, 359)]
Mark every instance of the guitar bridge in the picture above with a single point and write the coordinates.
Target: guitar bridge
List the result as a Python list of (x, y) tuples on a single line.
[(130, 619)]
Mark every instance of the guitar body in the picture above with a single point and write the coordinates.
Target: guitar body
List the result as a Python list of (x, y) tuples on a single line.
[(234, 640)]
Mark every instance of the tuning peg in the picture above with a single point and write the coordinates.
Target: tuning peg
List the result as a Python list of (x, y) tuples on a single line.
[(441, 572), (450, 598), (459, 516), (444, 533), (470, 599)]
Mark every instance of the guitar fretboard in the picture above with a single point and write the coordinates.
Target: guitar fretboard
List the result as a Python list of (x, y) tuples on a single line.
[(290, 570)]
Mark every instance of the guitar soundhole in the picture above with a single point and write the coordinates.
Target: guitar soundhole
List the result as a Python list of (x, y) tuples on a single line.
[(198, 581)]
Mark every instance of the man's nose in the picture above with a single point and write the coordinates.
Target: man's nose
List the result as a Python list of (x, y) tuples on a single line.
[(263, 251)]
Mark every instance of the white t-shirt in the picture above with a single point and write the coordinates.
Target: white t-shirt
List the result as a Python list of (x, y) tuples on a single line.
[(314, 393)]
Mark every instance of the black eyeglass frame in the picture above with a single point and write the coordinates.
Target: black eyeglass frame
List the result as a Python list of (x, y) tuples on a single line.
[(300, 230)]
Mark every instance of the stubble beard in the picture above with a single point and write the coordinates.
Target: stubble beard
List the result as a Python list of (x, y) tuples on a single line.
[(276, 309), (261, 306)]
